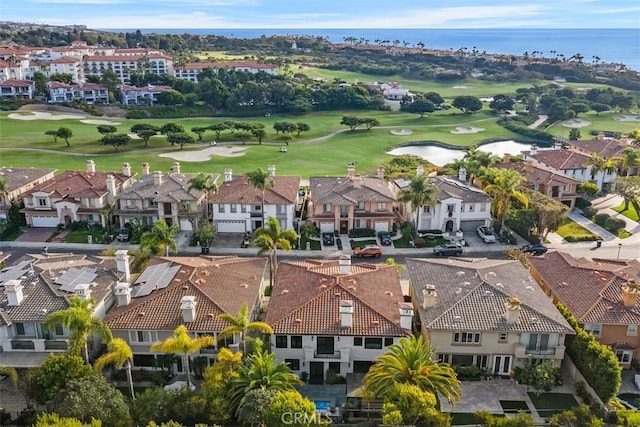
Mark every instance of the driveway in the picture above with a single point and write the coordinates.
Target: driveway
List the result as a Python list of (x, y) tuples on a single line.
[(36, 234)]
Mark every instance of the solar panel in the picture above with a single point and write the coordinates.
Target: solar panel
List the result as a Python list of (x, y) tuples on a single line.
[(75, 276), (14, 272), (153, 278)]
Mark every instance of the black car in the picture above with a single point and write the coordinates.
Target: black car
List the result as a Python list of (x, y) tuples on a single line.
[(327, 239), (535, 249), (448, 249), (385, 238)]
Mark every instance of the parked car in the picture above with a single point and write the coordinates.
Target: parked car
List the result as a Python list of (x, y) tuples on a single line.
[(367, 251), (535, 249), (448, 249), (486, 234), (124, 235), (327, 239), (385, 238)]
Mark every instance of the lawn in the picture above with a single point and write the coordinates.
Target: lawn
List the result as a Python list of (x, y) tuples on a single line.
[(548, 404), (629, 213), (603, 122), (575, 230), (362, 243)]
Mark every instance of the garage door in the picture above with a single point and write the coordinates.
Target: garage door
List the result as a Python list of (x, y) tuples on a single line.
[(382, 226), (185, 225), (470, 226), (230, 226), (326, 227), (44, 221)]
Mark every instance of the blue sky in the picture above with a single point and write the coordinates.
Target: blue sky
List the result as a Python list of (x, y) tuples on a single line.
[(308, 14)]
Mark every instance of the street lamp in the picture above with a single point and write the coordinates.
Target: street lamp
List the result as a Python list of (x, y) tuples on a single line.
[(619, 247)]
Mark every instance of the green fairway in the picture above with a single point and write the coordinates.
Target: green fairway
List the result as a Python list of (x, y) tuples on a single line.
[(604, 122)]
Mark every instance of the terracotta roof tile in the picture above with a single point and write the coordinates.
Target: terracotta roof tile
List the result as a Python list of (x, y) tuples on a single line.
[(239, 190), (349, 191), (560, 159)]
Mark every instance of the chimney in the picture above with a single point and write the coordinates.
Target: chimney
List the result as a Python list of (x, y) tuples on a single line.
[(429, 296), (345, 264), (175, 167), (381, 172), (351, 170), (406, 315), (624, 139), (91, 166), (533, 150), (228, 175), (346, 313), (600, 136), (126, 169), (13, 289), (512, 310), (188, 307), (420, 170), (123, 293), (462, 175), (528, 166), (506, 158), (111, 187), (272, 170), (630, 291), (157, 178), (122, 264), (83, 291), (145, 169)]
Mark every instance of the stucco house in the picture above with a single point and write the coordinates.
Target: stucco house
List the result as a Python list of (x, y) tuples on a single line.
[(19, 181)]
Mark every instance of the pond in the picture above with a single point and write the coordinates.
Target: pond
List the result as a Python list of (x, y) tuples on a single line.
[(440, 156)]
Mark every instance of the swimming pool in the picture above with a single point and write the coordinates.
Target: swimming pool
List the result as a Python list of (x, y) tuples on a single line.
[(322, 405), (631, 398)]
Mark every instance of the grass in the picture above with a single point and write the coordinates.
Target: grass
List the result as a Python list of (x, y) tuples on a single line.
[(513, 406), (623, 234), (548, 404), (572, 228), (630, 213), (602, 122), (362, 243)]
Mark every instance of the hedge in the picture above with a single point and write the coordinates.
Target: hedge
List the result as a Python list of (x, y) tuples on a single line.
[(514, 126), (596, 362)]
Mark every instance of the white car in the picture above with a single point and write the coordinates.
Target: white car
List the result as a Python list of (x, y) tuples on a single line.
[(486, 234)]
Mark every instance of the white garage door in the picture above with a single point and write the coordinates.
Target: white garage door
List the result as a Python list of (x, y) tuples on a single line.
[(382, 226), (326, 227), (185, 225), (230, 226), (44, 221)]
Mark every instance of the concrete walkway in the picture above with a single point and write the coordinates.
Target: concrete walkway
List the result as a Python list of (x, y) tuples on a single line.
[(541, 119)]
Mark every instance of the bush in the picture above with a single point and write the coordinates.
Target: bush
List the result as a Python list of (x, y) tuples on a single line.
[(582, 203), (467, 373), (601, 219), (515, 126), (589, 212), (581, 238), (588, 188), (614, 225), (362, 232)]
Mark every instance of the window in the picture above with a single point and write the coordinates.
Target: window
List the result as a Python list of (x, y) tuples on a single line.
[(360, 205), (131, 203), (462, 359), (471, 207), (357, 341), (92, 202), (344, 210), (483, 207), (281, 341), (373, 343), (623, 356), (382, 206), (334, 367), (221, 208), (466, 337), (296, 341), (225, 342), (426, 209), (143, 336), (257, 208), (503, 337), (294, 364), (59, 330), (632, 330), (326, 208), (388, 341), (481, 361), (325, 345), (593, 328), (20, 329), (234, 208), (282, 209), (243, 208), (444, 358), (42, 202)]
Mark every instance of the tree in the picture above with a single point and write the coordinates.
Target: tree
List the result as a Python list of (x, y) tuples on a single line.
[(53, 133), (588, 188), (419, 106), (261, 181), (243, 136), (574, 134), (180, 342), (251, 410), (410, 362), (419, 193), (145, 131), (628, 187), (217, 380), (181, 138), (242, 325), (270, 238), (120, 355), (116, 140), (576, 417), (600, 164), (160, 238), (630, 159), (171, 127), (79, 320), (11, 373), (218, 128), (199, 131), (43, 383), (64, 133), (203, 182), (352, 121), (501, 103), (107, 129), (171, 97), (467, 104), (369, 122), (505, 186), (549, 213), (541, 376), (414, 404), (259, 134), (290, 401), (434, 97), (55, 420), (302, 127)]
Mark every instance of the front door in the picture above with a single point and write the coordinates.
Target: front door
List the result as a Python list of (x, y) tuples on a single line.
[(316, 373), (448, 226), (502, 365), (344, 227)]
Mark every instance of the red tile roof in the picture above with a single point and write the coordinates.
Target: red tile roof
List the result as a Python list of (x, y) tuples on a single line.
[(560, 159), (537, 174), (77, 184), (239, 190)]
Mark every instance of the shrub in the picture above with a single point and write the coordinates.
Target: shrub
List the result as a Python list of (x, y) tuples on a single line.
[(581, 238), (362, 232), (582, 203), (467, 373), (589, 212), (588, 188), (614, 225), (601, 219)]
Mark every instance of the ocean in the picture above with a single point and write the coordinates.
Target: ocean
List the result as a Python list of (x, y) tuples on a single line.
[(610, 45)]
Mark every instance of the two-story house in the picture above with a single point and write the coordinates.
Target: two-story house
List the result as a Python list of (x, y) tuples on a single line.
[(193, 291), (35, 287), (607, 148), (331, 315), (17, 89), (159, 195), (146, 95), (354, 201), (484, 312), (602, 294), (19, 181), (459, 204), (74, 196), (89, 93), (237, 205)]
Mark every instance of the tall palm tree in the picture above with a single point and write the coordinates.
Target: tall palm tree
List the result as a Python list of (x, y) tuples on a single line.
[(260, 371), (409, 362), (180, 342), (120, 355), (600, 164), (630, 158), (203, 182), (11, 373), (261, 180), (160, 238), (505, 186), (419, 193), (78, 318), (272, 237), (241, 325)]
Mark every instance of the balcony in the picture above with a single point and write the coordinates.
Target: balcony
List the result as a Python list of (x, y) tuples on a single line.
[(55, 345), (334, 355), (22, 345), (256, 214), (524, 351)]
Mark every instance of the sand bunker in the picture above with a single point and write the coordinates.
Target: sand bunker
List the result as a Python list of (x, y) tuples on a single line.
[(100, 122), (463, 129), (460, 87), (576, 123), (401, 132), (627, 118), (40, 115), (204, 155)]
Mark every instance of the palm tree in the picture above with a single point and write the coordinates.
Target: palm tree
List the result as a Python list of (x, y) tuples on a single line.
[(260, 371), (505, 186), (241, 325), (409, 362), (261, 180), (419, 193), (180, 342), (160, 238), (600, 164), (203, 182), (78, 318), (11, 373), (119, 354), (272, 237), (630, 158)]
